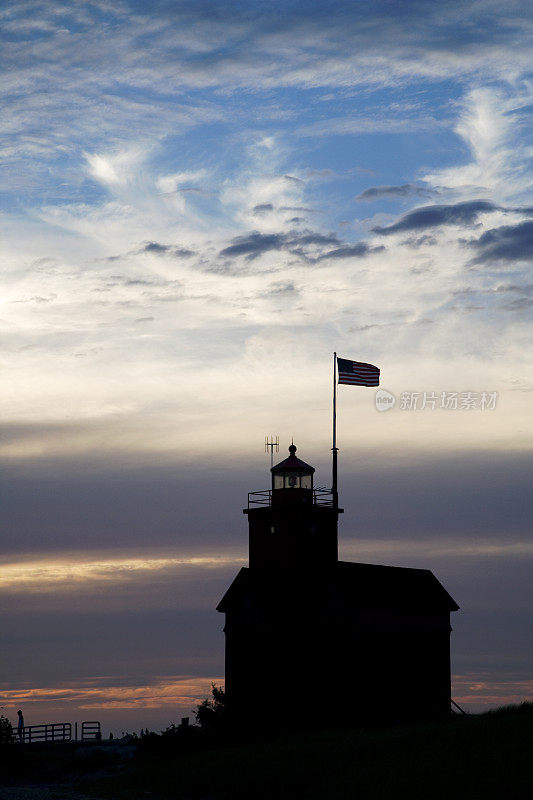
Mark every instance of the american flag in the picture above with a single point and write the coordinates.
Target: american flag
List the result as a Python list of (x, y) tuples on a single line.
[(357, 373)]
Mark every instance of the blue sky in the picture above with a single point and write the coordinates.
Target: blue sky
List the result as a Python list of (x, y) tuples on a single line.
[(199, 204)]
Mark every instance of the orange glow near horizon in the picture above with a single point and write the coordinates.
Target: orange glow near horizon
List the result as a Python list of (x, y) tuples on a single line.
[(172, 691), (169, 691), (486, 693)]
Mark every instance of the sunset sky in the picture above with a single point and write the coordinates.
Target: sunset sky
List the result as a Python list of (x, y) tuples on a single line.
[(200, 203)]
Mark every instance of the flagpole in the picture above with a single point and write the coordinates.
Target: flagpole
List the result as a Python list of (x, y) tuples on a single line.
[(334, 489)]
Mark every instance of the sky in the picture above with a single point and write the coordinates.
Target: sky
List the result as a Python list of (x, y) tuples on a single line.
[(200, 203)]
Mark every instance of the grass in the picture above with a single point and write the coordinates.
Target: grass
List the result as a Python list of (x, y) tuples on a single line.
[(486, 756)]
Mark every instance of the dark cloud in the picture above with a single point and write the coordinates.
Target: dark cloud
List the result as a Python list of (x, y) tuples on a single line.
[(293, 179), (405, 190), (139, 282), (162, 249), (122, 280), (144, 319), (433, 216), (97, 502), (297, 242), (352, 251), (262, 208), (255, 244), (298, 208), (155, 247), (507, 243), (526, 289), (527, 211), (279, 289), (306, 238)]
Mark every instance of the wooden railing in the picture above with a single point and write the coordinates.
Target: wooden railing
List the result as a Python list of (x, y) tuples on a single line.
[(51, 732), (90, 731), (58, 732)]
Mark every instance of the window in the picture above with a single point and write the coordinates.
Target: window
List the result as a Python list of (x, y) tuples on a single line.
[(292, 480)]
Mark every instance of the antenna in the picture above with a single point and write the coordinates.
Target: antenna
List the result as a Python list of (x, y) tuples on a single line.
[(272, 445)]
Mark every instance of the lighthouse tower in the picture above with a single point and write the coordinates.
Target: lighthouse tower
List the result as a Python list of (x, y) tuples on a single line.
[(292, 526), (314, 640)]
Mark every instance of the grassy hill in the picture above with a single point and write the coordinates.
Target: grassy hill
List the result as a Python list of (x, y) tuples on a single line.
[(486, 756)]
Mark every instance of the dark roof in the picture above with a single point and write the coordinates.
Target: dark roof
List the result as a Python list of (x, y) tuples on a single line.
[(359, 586), (239, 585), (292, 462), (374, 585)]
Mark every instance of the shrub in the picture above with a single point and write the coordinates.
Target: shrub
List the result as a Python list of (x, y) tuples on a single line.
[(212, 713), (6, 730)]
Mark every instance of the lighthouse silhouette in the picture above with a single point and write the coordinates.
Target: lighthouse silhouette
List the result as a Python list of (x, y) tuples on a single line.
[(311, 640)]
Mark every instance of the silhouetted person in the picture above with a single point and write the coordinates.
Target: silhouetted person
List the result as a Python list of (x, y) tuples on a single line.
[(20, 725)]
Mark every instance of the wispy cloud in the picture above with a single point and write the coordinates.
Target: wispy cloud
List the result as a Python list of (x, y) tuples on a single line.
[(114, 168), (70, 573), (432, 550), (490, 123), (405, 190), (171, 691)]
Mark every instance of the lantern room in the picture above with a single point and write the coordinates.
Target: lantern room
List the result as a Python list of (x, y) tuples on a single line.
[(292, 473), (292, 481)]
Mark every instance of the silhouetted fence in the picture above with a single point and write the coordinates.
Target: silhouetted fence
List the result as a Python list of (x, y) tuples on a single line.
[(90, 731), (51, 732), (58, 732)]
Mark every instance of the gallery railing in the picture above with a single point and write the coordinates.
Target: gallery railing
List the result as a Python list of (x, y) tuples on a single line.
[(321, 497)]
